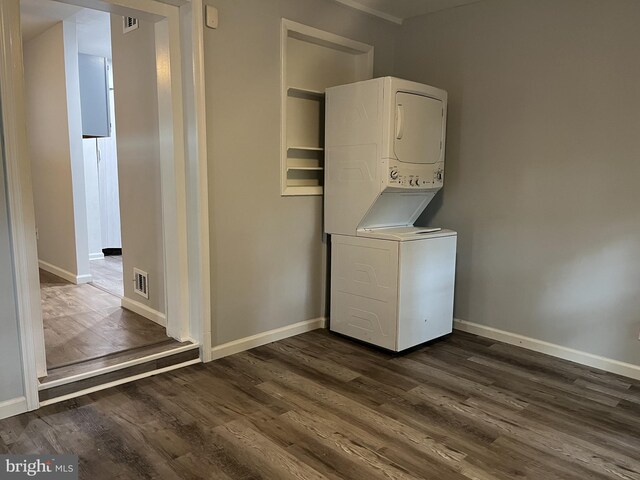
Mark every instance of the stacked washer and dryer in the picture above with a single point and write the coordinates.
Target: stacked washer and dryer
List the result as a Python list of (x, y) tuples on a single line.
[(391, 283)]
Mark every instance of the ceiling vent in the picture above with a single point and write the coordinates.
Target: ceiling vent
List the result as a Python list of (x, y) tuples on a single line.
[(141, 283), (129, 24)]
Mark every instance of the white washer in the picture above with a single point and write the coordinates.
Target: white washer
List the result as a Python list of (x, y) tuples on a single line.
[(395, 291)]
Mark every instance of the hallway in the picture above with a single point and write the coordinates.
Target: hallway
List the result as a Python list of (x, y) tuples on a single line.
[(82, 322), (107, 274)]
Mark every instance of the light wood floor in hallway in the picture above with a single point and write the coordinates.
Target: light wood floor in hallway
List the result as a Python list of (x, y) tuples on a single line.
[(319, 406), (108, 275), (82, 322)]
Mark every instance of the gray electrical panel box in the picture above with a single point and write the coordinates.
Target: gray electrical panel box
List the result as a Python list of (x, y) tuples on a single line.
[(94, 96)]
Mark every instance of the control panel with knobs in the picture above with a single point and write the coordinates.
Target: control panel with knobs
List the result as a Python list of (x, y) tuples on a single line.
[(407, 177)]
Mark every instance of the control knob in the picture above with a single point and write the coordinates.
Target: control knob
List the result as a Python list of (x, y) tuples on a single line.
[(394, 174)]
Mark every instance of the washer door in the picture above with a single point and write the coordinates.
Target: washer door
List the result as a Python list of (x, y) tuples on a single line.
[(419, 128)]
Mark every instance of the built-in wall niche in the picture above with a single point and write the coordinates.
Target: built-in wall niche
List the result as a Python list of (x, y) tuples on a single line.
[(312, 60)]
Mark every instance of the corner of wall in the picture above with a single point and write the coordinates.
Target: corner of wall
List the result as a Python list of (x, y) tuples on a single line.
[(76, 149)]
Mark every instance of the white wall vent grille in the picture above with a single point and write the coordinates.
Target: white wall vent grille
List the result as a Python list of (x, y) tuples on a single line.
[(129, 24), (141, 283)]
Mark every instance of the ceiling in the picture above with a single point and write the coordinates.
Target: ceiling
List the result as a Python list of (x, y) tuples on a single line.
[(94, 33), (37, 16), (398, 10), (92, 26)]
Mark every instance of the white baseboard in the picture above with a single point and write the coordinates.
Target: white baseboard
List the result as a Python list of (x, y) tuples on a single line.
[(145, 311), (583, 358), (80, 279), (96, 256), (12, 407), (68, 276), (253, 341)]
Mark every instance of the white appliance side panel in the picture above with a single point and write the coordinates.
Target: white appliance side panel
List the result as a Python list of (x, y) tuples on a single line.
[(352, 154), (419, 128), (350, 186), (353, 114), (364, 289), (427, 280)]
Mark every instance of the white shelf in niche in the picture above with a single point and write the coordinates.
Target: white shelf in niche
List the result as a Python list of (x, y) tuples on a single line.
[(305, 190), (305, 158), (305, 149), (305, 93), (312, 60)]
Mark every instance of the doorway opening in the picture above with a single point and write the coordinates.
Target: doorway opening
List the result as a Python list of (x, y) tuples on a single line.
[(98, 197)]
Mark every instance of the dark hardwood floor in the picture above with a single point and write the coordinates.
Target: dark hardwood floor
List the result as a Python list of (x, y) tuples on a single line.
[(320, 406)]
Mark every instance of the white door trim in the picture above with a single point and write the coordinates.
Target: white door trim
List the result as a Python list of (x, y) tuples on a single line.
[(204, 290), (174, 179), (20, 199), (172, 174)]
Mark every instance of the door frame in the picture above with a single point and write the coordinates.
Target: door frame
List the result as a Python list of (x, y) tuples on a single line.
[(187, 293)]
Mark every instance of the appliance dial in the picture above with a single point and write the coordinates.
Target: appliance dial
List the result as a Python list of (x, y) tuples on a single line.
[(394, 174)]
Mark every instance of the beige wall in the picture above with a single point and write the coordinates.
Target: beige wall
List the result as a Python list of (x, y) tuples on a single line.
[(136, 107), (542, 164), (51, 144), (266, 250)]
